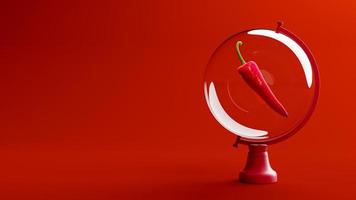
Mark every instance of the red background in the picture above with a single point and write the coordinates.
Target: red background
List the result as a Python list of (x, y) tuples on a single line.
[(104, 100)]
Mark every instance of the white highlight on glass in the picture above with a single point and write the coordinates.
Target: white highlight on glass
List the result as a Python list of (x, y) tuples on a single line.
[(292, 45), (225, 120)]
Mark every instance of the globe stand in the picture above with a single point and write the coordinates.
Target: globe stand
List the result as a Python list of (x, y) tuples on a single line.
[(222, 70), (258, 169)]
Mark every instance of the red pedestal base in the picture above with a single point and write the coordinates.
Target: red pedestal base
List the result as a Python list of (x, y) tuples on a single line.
[(258, 169)]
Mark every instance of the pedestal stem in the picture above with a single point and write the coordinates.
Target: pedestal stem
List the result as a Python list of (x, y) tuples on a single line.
[(258, 169)]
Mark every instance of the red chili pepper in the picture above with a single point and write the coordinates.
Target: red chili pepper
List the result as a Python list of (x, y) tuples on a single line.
[(254, 78)]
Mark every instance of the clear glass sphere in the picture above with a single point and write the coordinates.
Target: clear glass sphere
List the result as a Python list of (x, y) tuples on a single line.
[(286, 67)]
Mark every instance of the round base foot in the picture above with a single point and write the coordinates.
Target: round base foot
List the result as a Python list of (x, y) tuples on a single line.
[(258, 169)]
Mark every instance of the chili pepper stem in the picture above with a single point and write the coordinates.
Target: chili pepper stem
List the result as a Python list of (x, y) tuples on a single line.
[(238, 44)]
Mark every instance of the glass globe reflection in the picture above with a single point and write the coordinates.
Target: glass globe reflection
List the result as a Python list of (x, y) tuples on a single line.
[(286, 67)]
